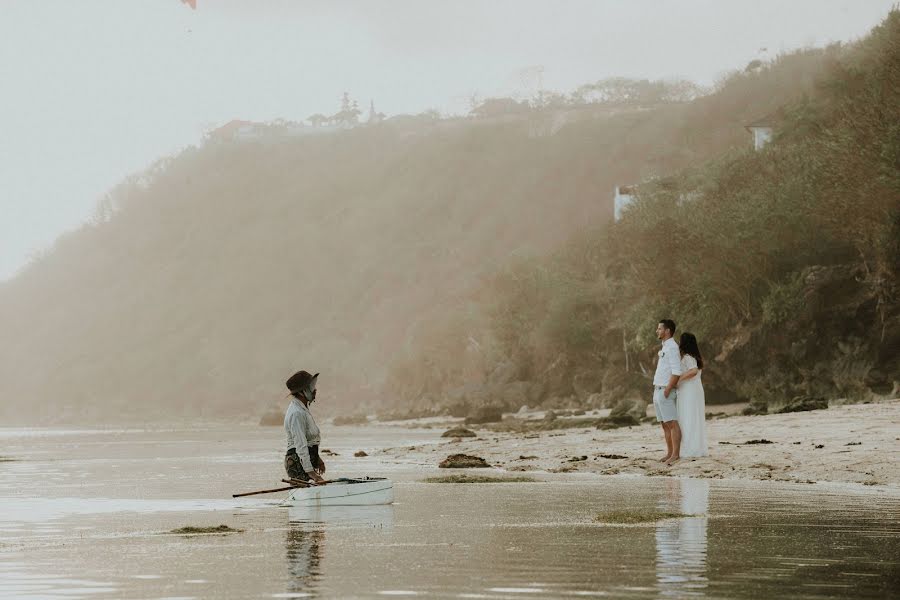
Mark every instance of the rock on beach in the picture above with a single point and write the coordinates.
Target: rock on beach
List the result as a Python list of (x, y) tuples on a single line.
[(803, 404), (463, 461), (459, 432)]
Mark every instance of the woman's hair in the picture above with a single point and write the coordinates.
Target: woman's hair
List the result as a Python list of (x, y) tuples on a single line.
[(688, 345)]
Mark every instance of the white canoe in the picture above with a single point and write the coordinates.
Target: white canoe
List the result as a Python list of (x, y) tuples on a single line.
[(351, 492)]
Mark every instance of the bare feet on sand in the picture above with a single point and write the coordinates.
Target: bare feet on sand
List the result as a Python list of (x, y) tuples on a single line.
[(673, 460), (664, 458)]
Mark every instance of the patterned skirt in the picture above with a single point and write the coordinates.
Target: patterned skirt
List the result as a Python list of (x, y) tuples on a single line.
[(293, 466)]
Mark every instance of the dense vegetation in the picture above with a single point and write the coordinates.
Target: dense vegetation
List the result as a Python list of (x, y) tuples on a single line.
[(784, 262), (424, 265)]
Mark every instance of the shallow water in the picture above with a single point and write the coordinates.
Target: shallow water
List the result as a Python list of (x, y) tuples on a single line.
[(83, 514)]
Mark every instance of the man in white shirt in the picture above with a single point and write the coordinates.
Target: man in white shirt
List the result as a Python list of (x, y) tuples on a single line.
[(668, 370)]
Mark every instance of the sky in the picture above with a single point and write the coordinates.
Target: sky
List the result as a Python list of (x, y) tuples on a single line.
[(94, 90)]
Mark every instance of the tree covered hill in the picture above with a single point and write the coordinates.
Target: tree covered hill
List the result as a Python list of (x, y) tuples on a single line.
[(784, 262), (206, 280)]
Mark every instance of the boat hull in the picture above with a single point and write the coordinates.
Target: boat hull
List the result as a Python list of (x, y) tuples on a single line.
[(365, 493)]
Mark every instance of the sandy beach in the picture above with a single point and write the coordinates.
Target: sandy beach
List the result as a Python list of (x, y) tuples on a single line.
[(854, 444), (111, 512)]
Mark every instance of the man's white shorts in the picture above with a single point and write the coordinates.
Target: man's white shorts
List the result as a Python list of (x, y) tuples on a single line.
[(665, 407)]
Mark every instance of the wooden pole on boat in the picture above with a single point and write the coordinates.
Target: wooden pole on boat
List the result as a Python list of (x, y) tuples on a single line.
[(297, 483), (281, 489)]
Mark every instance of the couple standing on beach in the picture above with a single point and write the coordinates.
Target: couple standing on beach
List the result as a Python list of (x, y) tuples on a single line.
[(678, 394)]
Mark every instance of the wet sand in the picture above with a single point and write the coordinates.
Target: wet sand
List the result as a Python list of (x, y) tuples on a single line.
[(855, 444), (91, 514)]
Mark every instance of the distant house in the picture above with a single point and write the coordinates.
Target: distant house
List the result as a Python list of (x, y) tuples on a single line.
[(624, 197), (762, 132), (237, 129), (318, 120)]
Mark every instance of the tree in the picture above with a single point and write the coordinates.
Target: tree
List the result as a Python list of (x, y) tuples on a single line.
[(636, 92), (549, 100), (349, 113), (495, 107)]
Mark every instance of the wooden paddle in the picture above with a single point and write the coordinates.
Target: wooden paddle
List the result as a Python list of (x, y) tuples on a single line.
[(295, 483), (281, 489)]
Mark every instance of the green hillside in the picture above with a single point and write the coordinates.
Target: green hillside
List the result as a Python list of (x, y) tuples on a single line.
[(784, 262), (373, 255)]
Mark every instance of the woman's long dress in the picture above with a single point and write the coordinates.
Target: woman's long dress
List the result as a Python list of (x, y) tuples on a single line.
[(691, 405)]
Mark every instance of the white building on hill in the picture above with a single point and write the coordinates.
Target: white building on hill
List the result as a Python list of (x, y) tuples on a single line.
[(762, 132), (624, 197)]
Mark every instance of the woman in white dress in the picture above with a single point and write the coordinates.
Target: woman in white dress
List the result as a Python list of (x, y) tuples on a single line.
[(691, 401)]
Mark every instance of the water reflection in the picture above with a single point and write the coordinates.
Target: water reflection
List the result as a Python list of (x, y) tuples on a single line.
[(681, 543), (305, 540), (304, 558), (381, 517)]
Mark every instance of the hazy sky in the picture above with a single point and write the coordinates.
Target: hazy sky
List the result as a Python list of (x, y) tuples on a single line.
[(92, 90)]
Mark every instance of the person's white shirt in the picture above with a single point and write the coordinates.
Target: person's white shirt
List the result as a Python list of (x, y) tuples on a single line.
[(668, 364), (302, 432)]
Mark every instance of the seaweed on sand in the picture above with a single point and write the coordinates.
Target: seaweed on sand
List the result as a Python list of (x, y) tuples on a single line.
[(191, 530), (465, 478), (636, 517), (527, 426)]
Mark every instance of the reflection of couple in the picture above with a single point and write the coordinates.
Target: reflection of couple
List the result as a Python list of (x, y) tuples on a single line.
[(681, 545), (678, 394)]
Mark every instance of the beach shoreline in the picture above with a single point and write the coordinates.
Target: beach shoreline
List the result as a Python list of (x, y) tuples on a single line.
[(854, 443)]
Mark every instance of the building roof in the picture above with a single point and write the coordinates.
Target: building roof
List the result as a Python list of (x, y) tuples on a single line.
[(229, 129), (766, 121)]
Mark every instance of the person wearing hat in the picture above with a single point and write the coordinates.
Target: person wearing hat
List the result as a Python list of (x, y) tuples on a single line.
[(302, 460)]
